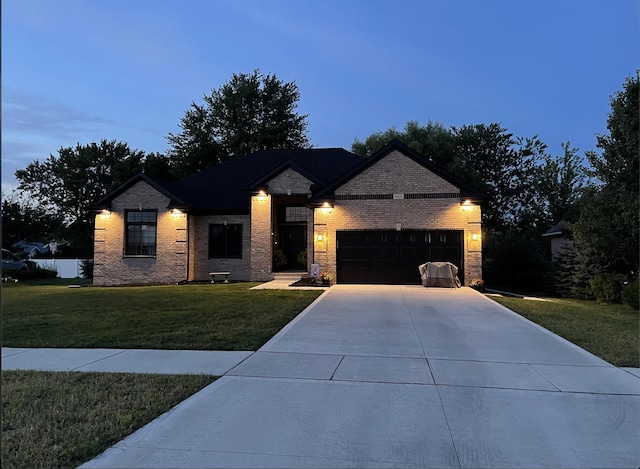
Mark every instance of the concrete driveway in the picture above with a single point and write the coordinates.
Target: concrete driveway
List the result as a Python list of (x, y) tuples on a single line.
[(402, 376)]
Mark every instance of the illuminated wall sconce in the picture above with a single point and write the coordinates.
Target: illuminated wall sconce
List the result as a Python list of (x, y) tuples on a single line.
[(326, 208), (262, 195), (474, 236), (105, 213), (466, 205), (175, 213), (319, 237)]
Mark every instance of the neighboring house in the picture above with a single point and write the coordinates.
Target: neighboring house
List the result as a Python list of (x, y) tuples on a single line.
[(32, 249), (372, 220), (558, 241)]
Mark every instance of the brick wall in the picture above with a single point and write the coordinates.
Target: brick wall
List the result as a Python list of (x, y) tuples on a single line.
[(169, 265), (289, 182), (201, 265), (261, 239), (393, 174)]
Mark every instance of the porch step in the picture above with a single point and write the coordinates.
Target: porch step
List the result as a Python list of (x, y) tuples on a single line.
[(288, 276)]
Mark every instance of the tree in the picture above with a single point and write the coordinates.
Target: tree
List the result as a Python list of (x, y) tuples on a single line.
[(609, 220), (559, 183), (502, 166), (66, 184), (432, 140), (251, 112), (25, 219)]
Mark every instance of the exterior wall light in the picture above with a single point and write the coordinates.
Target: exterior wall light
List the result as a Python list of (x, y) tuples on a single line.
[(175, 213), (262, 195), (466, 205), (319, 237), (474, 236), (326, 208), (105, 213)]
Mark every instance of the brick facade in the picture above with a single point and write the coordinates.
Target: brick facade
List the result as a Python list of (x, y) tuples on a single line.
[(289, 182), (169, 265), (399, 175), (200, 264)]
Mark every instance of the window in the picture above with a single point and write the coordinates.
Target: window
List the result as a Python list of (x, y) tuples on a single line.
[(296, 214), (140, 233), (225, 241)]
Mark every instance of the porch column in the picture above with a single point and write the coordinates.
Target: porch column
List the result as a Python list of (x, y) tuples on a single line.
[(261, 238)]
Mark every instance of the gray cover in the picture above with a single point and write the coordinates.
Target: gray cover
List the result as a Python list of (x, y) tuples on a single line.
[(439, 274)]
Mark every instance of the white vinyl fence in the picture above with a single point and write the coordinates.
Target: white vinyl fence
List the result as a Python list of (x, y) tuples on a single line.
[(67, 268)]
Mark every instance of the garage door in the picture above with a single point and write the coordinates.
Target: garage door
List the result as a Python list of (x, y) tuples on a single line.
[(393, 257)]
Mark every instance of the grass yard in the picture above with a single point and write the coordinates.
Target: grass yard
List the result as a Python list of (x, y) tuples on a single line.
[(195, 317), (609, 331), (63, 419)]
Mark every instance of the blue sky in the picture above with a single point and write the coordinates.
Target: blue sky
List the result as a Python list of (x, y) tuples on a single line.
[(79, 70)]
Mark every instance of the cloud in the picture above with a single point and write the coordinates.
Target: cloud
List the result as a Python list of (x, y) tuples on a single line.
[(32, 113)]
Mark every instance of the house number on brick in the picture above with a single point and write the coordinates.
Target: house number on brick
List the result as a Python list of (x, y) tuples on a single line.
[(398, 196)]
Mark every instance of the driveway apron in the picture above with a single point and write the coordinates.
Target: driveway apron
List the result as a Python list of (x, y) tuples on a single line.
[(402, 376)]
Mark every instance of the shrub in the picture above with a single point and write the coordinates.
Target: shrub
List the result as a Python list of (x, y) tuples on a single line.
[(607, 288), (86, 268), (279, 258), (302, 257), (631, 294), (37, 273)]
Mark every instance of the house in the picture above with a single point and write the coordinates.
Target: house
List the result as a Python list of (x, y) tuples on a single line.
[(558, 240), (32, 249), (370, 220)]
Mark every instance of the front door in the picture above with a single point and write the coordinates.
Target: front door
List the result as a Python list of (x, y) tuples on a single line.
[(292, 243)]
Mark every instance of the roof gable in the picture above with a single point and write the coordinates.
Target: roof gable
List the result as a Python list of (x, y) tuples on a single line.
[(287, 180), (164, 187), (466, 191)]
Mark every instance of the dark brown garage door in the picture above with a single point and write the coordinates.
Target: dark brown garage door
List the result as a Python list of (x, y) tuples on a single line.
[(393, 257)]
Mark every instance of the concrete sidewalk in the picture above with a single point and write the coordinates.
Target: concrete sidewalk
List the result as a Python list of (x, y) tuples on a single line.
[(122, 360)]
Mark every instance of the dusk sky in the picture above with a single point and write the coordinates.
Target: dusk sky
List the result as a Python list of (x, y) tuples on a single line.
[(127, 70)]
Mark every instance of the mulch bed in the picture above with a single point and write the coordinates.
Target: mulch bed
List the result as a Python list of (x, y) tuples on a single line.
[(306, 282)]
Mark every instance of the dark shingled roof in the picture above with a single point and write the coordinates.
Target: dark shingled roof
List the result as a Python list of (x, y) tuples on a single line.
[(226, 188), (222, 189)]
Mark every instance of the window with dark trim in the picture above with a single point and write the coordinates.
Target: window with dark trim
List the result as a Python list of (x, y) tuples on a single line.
[(225, 241), (140, 233)]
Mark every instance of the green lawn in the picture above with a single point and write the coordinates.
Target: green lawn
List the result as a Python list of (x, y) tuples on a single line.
[(197, 317), (609, 331), (63, 419)]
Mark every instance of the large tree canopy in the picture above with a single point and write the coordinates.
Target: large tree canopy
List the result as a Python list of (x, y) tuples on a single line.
[(251, 112), (25, 219), (502, 166), (67, 183), (610, 211), (432, 140), (559, 184)]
